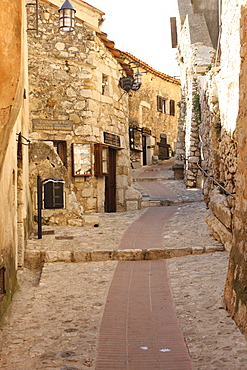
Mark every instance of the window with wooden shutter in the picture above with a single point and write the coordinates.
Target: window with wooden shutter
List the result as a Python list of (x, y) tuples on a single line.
[(101, 160), (161, 104), (61, 149), (174, 36), (172, 107)]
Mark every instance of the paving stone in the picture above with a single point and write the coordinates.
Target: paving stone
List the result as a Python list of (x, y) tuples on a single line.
[(60, 310), (212, 337)]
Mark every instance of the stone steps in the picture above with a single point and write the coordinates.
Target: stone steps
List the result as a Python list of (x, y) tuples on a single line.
[(35, 259)]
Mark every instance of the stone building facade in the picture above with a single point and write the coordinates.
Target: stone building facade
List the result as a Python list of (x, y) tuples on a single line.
[(212, 92), (14, 189), (78, 117), (153, 114), (236, 291)]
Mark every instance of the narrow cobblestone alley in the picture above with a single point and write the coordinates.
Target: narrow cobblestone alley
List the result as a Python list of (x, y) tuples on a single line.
[(111, 297)]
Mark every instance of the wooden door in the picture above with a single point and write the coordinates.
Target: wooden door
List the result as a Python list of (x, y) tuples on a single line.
[(144, 150), (110, 183)]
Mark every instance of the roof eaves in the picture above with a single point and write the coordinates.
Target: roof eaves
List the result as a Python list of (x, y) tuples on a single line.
[(121, 57), (152, 70), (91, 6)]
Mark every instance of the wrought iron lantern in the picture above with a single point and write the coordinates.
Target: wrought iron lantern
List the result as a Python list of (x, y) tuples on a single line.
[(66, 17), (137, 81), (132, 82)]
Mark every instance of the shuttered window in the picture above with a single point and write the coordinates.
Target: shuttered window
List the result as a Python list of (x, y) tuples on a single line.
[(172, 107), (174, 32), (161, 104)]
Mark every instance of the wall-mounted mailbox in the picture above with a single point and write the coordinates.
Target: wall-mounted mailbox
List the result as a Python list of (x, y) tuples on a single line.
[(53, 193)]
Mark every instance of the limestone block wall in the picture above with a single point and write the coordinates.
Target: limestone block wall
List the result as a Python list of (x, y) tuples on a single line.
[(235, 290), (14, 208), (195, 55), (74, 77), (222, 97), (219, 102), (144, 112), (218, 154)]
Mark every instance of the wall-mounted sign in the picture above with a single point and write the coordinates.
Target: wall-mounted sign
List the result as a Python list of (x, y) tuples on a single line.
[(81, 159), (111, 139), (51, 124)]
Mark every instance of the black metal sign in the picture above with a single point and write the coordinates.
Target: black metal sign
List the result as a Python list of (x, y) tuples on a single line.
[(111, 139), (50, 124), (126, 83)]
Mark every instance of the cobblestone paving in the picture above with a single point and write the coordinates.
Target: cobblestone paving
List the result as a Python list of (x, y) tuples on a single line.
[(213, 340), (53, 323), (188, 228), (106, 236)]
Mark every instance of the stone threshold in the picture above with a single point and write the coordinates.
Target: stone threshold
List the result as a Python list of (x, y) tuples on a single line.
[(35, 259), (142, 179), (152, 202)]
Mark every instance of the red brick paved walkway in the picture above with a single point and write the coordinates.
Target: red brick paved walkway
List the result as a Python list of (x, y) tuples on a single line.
[(147, 231), (157, 190), (139, 330)]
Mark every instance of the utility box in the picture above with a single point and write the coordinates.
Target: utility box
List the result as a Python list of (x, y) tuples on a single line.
[(53, 193)]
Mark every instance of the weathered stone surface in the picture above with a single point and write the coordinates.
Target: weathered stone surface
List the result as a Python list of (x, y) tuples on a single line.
[(132, 205), (65, 80), (220, 232), (220, 207)]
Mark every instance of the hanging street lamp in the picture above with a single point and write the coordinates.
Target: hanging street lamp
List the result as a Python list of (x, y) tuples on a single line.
[(132, 82), (137, 81), (66, 17)]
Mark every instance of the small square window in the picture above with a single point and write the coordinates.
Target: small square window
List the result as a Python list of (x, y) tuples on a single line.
[(105, 85), (61, 149)]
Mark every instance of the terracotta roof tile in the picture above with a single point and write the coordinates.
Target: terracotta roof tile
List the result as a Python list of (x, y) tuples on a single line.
[(122, 56), (152, 70)]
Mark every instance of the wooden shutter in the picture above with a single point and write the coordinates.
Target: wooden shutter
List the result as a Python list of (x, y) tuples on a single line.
[(174, 36), (159, 103), (172, 107)]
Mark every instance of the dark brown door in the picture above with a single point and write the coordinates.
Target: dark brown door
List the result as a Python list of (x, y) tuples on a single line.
[(144, 150), (110, 183)]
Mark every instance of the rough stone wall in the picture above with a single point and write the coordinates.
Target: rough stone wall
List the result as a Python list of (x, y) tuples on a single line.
[(195, 55), (220, 95), (218, 153), (65, 76), (223, 149), (14, 217), (144, 113), (235, 290)]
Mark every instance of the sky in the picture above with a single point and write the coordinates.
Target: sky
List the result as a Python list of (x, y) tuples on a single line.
[(142, 28)]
